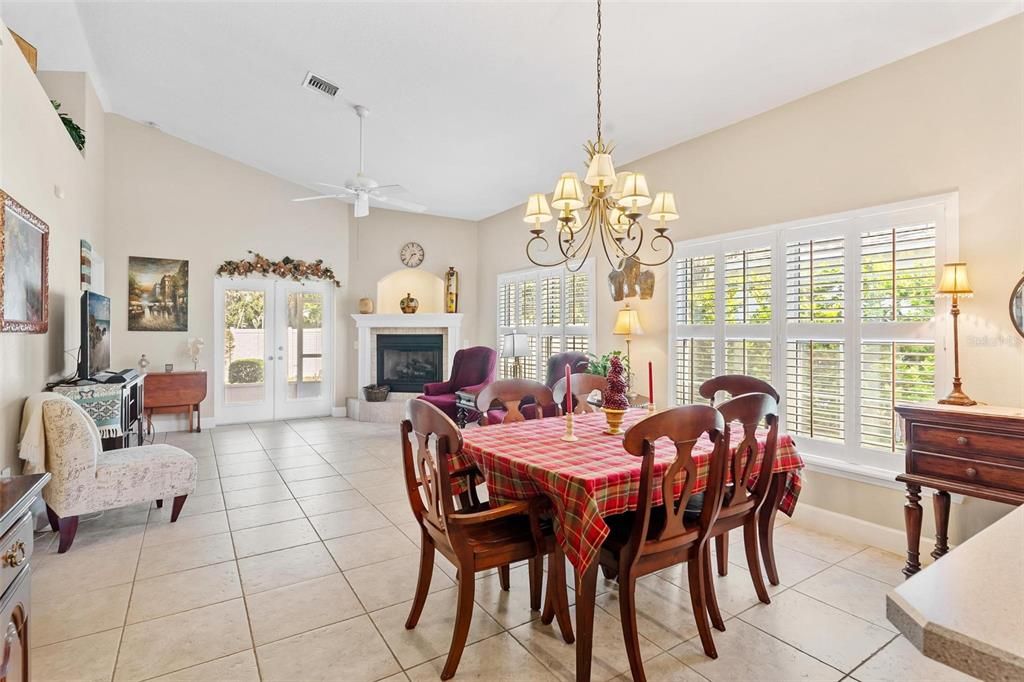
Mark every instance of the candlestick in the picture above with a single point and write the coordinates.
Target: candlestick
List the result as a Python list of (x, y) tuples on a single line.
[(568, 389), (569, 436), (650, 384)]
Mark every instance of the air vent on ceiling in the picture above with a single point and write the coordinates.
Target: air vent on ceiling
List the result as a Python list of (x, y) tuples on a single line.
[(317, 84)]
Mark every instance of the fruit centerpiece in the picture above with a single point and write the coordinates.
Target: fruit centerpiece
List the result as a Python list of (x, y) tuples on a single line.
[(615, 402)]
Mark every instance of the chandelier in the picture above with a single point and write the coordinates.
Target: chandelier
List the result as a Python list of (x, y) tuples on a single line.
[(611, 212)]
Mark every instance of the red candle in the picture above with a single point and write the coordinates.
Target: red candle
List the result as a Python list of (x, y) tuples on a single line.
[(650, 381), (568, 390)]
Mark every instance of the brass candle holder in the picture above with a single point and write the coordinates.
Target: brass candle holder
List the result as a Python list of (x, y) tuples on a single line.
[(569, 436)]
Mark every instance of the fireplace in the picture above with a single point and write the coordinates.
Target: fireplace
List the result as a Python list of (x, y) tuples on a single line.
[(407, 361)]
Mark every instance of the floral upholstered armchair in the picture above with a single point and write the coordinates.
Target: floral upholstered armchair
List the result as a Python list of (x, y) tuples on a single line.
[(472, 369), (85, 479)]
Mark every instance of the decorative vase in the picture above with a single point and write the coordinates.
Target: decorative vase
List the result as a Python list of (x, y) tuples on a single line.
[(143, 364), (409, 305), (451, 290), (365, 306), (614, 419)]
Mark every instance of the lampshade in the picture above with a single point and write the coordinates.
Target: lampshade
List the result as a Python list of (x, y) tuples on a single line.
[(954, 280), (620, 182), (618, 220), (537, 210), (634, 191), (664, 207), (515, 345), (628, 323), (568, 192), (601, 171)]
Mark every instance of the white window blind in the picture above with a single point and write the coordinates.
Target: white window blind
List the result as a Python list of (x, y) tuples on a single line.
[(552, 307), (855, 332)]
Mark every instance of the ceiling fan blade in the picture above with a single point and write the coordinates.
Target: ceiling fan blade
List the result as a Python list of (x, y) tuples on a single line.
[(323, 196), (341, 187), (392, 202)]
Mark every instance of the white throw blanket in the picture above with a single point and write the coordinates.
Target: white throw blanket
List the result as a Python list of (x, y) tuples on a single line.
[(32, 444)]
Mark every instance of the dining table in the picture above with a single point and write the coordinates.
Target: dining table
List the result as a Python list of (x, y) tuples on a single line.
[(593, 478)]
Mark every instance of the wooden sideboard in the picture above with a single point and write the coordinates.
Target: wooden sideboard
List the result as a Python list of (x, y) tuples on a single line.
[(176, 392), (976, 451)]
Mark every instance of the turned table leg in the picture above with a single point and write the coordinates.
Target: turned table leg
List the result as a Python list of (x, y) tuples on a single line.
[(940, 500), (912, 517)]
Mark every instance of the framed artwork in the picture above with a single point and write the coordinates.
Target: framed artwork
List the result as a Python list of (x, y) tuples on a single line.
[(24, 253), (157, 294)]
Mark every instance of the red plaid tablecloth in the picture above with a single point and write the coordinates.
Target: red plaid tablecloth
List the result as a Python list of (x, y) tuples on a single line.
[(589, 479)]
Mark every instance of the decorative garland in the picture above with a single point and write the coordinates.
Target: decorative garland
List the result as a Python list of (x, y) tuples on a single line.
[(287, 268)]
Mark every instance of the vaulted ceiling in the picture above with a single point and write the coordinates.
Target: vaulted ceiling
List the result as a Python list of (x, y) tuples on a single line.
[(473, 105)]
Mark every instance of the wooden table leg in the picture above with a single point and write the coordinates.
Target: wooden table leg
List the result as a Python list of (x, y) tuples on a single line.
[(199, 419), (586, 596), (766, 525), (940, 500), (912, 517)]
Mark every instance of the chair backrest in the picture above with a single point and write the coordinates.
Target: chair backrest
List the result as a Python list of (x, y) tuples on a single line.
[(427, 480), (71, 447), (736, 384), (683, 426), (582, 385), (750, 411), (472, 366), (510, 393), (578, 363)]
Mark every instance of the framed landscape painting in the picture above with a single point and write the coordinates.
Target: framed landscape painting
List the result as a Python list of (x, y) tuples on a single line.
[(24, 250), (157, 295)]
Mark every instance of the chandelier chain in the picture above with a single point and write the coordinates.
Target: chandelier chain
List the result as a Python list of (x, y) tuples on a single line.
[(599, 70)]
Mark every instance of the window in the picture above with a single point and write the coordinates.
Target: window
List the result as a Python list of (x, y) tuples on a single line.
[(552, 307), (836, 312)]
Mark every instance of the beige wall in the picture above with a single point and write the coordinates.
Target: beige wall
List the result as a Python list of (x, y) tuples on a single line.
[(37, 158), (375, 244), (949, 118)]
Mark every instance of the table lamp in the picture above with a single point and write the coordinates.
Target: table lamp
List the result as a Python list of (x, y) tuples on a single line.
[(954, 283), (627, 324), (515, 345)]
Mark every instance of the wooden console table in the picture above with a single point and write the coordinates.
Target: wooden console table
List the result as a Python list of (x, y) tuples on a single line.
[(175, 392), (976, 451)]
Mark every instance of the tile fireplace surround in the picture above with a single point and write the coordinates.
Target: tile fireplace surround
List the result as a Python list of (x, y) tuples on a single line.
[(449, 325)]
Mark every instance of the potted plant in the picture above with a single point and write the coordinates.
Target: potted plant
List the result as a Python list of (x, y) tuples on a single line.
[(74, 130), (600, 364)]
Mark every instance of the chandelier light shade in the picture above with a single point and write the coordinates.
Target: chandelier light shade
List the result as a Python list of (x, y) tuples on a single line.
[(537, 211), (568, 193), (607, 212)]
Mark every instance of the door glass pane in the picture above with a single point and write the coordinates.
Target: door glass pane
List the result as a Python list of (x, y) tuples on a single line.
[(305, 345), (244, 346)]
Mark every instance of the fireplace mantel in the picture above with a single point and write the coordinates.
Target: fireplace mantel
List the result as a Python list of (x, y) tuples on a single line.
[(449, 323)]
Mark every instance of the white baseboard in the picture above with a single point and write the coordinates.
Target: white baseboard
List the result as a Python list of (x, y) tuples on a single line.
[(853, 529), (339, 411)]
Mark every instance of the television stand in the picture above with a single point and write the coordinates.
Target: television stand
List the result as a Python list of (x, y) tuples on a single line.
[(116, 409)]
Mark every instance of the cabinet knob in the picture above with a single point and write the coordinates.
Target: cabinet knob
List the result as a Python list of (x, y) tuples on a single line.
[(962, 440), (15, 556), (971, 472)]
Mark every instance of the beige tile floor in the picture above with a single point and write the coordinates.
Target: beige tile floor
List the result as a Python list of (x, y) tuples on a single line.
[(296, 559)]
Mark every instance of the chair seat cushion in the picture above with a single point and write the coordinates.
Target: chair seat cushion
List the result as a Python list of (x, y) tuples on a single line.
[(495, 416), (140, 474)]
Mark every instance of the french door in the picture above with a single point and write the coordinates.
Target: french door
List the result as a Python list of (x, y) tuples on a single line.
[(275, 340)]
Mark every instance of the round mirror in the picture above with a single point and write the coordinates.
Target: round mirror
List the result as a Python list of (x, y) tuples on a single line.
[(1017, 307)]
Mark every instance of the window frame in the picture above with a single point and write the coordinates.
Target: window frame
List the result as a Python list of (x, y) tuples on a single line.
[(538, 330), (849, 458)]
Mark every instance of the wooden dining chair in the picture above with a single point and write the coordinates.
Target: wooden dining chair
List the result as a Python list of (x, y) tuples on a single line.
[(734, 385), (742, 501), (509, 393), (582, 385), (474, 539), (658, 536)]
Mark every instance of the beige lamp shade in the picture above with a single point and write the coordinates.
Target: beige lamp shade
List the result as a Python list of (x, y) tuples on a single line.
[(664, 207), (627, 323), (568, 192), (515, 345), (620, 182), (618, 220), (537, 210), (601, 171), (634, 191), (954, 280)]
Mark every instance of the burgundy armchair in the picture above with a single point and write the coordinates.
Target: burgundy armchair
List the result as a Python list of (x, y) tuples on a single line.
[(578, 364), (472, 368)]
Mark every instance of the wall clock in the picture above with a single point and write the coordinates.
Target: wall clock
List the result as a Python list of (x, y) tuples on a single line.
[(412, 255)]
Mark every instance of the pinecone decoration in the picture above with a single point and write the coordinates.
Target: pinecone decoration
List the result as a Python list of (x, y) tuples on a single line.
[(615, 394)]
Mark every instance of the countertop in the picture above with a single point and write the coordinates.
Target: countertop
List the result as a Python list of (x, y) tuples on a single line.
[(967, 609)]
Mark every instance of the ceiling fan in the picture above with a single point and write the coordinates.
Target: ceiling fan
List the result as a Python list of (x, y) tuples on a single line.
[(362, 189)]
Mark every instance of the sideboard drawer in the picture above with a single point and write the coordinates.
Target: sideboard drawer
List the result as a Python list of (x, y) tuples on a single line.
[(967, 470), (15, 550), (961, 441)]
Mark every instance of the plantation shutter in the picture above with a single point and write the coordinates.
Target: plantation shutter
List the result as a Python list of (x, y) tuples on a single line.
[(815, 272)]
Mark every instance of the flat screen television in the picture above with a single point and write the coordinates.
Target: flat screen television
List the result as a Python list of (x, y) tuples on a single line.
[(95, 354)]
